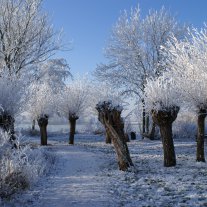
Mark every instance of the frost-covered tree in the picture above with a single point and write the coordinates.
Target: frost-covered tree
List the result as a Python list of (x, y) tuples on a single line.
[(133, 51), (163, 103), (109, 115), (26, 36), (54, 72), (13, 100), (73, 102), (188, 62), (41, 107)]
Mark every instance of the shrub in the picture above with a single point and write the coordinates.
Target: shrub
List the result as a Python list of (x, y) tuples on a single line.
[(21, 167)]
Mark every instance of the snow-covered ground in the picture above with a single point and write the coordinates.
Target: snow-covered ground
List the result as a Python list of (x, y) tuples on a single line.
[(87, 174)]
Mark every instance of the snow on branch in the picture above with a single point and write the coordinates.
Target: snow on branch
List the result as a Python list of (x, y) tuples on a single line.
[(187, 61), (55, 72), (13, 94), (74, 98), (109, 106), (26, 35), (161, 94), (133, 50), (41, 101)]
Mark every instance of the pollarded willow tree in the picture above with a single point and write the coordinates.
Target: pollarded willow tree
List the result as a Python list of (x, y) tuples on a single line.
[(109, 114), (163, 103), (72, 102), (188, 62), (26, 36), (134, 53), (102, 92), (41, 107)]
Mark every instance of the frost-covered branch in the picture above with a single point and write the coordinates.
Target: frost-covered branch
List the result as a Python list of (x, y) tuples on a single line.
[(133, 50), (26, 36)]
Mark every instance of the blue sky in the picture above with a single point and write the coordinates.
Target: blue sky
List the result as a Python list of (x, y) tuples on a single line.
[(87, 23)]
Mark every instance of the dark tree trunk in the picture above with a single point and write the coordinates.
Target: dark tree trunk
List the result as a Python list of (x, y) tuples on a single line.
[(72, 121), (200, 155), (33, 125), (164, 119), (147, 124), (108, 137), (121, 148), (43, 122), (126, 137), (168, 145), (143, 118), (7, 125), (111, 119), (151, 134)]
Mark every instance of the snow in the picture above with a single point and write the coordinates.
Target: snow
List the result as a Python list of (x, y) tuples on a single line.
[(186, 61), (109, 105), (74, 181), (87, 174), (160, 94)]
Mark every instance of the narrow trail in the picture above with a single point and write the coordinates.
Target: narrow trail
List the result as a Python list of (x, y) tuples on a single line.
[(74, 183)]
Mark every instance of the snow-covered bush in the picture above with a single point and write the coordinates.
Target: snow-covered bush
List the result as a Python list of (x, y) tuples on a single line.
[(21, 167)]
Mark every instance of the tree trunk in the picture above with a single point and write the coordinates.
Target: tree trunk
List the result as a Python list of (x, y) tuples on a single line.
[(151, 134), (33, 124), (147, 124), (72, 121), (143, 117), (200, 155), (108, 137), (126, 137), (43, 122), (168, 145), (113, 122), (7, 125), (164, 119), (121, 148)]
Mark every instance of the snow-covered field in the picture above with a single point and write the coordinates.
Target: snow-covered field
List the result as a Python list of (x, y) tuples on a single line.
[(87, 174)]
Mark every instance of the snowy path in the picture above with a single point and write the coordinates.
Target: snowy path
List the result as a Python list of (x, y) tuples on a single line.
[(74, 181)]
